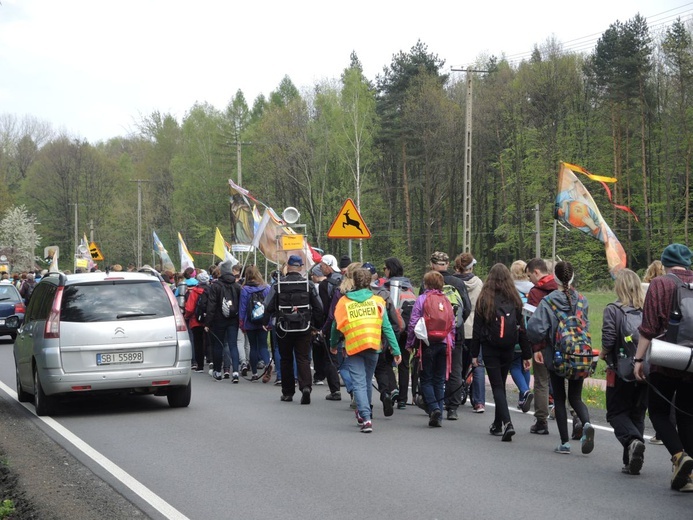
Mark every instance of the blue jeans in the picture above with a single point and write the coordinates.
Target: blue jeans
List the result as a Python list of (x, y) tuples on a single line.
[(258, 348), (433, 367), (361, 369), (520, 375)]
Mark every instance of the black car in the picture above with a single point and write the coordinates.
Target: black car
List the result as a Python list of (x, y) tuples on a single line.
[(11, 304)]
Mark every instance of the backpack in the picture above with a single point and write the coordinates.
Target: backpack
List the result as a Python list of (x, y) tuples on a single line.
[(438, 317), (503, 330), (455, 299), (627, 341), (201, 305), (229, 301), (404, 305), (680, 327), (571, 355), (256, 307)]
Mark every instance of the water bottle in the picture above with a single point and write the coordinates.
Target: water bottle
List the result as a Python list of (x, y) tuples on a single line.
[(672, 333), (395, 289), (558, 358)]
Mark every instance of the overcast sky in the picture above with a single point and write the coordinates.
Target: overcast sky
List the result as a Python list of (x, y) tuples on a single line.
[(94, 67)]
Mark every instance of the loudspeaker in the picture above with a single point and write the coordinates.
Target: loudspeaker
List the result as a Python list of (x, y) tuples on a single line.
[(291, 215)]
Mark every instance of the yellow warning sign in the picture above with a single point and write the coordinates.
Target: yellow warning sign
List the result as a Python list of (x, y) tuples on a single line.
[(95, 252), (349, 223)]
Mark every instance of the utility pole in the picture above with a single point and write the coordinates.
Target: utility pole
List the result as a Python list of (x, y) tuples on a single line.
[(537, 238), (139, 220), (467, 172)]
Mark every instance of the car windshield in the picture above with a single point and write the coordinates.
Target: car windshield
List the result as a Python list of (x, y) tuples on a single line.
[(115, 300)]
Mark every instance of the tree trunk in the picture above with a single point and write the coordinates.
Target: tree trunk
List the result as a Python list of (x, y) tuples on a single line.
[(407, 202)]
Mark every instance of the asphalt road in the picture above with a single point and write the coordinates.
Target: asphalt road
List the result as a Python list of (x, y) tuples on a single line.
[(238, 451)]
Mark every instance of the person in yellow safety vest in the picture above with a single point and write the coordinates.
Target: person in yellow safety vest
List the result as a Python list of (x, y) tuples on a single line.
[(361, 318)]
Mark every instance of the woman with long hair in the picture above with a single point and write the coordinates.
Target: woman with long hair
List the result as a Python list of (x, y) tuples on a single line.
[(498, 327), (541, 328), (251, 312), (626, 400)]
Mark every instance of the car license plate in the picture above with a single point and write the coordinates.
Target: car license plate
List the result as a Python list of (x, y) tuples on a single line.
[(120, 358)]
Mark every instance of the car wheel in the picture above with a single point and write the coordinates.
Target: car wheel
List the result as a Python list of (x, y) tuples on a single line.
[(22, 396), (179, 396), (43, 403), (13, 335)]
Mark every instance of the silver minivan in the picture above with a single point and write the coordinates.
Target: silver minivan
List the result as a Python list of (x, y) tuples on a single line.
[(102, 332)]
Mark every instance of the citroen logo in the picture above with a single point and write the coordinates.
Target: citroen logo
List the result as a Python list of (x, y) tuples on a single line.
[(119, 330)]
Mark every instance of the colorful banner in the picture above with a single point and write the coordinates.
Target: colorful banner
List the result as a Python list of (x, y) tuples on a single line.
[(186, 259), (575, 207), (165, 262), (243, 214)]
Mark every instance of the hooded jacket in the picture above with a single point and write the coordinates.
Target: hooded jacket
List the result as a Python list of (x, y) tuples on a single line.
[(355, 344), (541, 327), (216, 296), (474, 285), (247, 292)]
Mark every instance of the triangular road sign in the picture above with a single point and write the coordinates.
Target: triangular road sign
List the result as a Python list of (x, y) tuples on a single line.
[(95, 252), (349, 223)]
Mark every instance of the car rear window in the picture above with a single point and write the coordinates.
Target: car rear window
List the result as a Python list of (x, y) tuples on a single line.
[(8, 293), (115, 300)]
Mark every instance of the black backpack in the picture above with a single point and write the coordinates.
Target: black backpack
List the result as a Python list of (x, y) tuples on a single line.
[(229, 300), (201, 305), (503, 331), (256, 307), (627, 340), (680, 330)]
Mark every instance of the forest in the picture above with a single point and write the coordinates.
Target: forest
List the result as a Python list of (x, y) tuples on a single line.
[(395, 144)]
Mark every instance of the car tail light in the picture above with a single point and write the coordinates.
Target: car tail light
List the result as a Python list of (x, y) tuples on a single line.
[(53, 322), (81, 388), (161, 383), (19, 308), (180, 321)]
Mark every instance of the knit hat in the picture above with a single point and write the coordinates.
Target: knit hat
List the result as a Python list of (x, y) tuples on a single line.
[(295, 261), (439, 256), (344, 262), (316, 271), (225, 267), (203, 277), (370, 267), (676, 255)]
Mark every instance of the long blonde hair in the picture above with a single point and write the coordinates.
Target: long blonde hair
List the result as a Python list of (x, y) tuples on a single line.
[(654, 270), (628, 289), (348, 280)]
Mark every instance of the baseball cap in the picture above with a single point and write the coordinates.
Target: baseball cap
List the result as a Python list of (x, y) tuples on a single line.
[(439, 256), (370, 267), (295, 261), (330, 261)]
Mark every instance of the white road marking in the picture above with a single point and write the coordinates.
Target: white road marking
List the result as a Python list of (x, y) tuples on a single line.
[(125, 478)]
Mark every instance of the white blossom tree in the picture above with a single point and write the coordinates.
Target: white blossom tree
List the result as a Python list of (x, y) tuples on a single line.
[(18, 238)]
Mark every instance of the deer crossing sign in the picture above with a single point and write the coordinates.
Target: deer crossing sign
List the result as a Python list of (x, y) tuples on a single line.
[(349, 223)]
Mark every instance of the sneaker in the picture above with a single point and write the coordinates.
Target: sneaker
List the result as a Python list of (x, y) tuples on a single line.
[(636, 451), (525, 402), (683, 465), (626, 469), (227, 373), (199, 370), (452, 414), (235, 377), (508, 432), (577, 428), (401, 405), (305, 397), (286, 398), (260, 365), (359, 419), (479, 408), (278, 382), (193, 368), (435, 418), (688, 487), (540, 428), (563, 449), (334, 396), (318, 381), (395, 396), (654, 440), (215, 375), (367, 427), (254, 378), (244, 369), (211, 366), (587, 439), (496, 429), (388, 410)]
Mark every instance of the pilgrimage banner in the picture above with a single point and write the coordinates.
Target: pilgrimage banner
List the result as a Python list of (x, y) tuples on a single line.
[(575, 207)]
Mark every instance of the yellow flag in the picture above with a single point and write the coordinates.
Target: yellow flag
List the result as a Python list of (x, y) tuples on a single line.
[(219, 249)]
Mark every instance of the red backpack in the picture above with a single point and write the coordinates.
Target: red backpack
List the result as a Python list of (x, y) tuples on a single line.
[(438, 316)]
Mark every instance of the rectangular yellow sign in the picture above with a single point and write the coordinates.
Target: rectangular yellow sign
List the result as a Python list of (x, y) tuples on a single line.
[(291, 242)]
